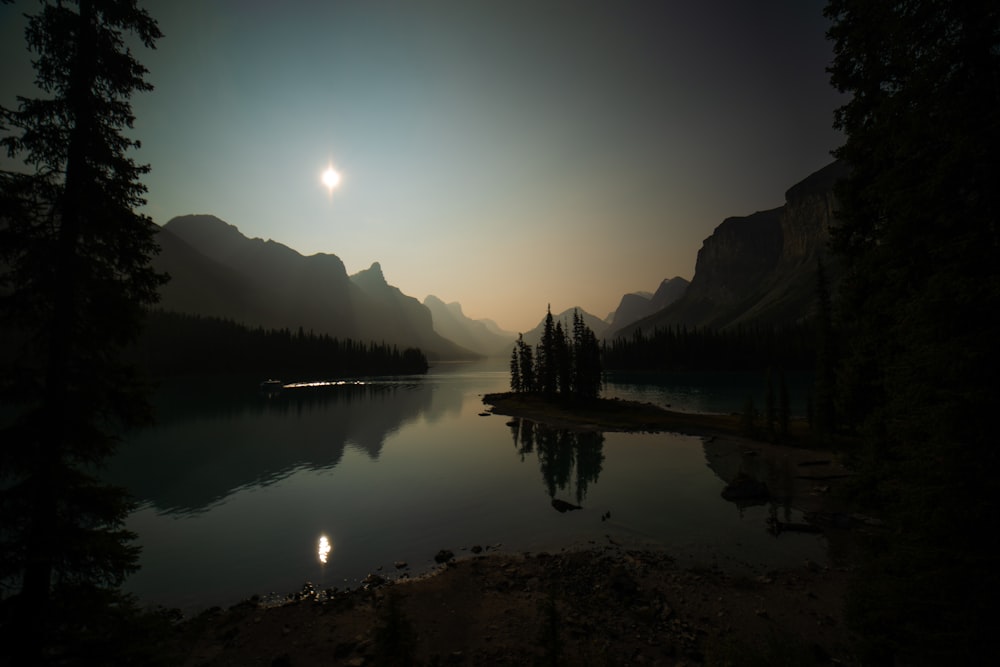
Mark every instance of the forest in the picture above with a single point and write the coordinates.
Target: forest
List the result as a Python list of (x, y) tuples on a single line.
[(678, 348), (176, 344), (568, 365)]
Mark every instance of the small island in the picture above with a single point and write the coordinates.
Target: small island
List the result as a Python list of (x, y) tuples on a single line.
[(608, 414), (558, 382)]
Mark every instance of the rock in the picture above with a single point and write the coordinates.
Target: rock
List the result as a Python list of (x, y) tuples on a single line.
[(746, 489), (400, 564), (373, 581), (777, 527), (443, 556), (563, 506), (476, 549)]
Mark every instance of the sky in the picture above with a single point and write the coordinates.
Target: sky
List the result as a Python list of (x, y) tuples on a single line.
[(506, 155)]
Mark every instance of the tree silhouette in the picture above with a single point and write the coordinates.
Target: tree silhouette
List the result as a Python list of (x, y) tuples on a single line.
[(546, 362), (917, 232), (561, 366), (515, 371), (526, 365), (75, 262)]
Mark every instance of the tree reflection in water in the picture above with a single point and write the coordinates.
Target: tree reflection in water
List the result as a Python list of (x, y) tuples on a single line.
[(565, 457)]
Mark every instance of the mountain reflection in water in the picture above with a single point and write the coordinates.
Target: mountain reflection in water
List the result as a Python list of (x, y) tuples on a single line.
[(215, 436), (395, 470)]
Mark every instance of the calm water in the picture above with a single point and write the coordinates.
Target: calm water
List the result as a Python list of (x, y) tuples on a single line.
[(237, 489)]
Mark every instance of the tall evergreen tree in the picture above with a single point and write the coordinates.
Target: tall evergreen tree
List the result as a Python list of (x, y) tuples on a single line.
[(564, 361), (587, 367), (546, 362), (526, 365), (919, 237), (76, 280), (515, 371)]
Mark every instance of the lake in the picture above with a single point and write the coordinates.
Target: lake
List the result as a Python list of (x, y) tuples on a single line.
[(236, 489)]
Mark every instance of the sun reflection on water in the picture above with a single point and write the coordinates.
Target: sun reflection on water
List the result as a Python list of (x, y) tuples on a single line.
[(324, 549)]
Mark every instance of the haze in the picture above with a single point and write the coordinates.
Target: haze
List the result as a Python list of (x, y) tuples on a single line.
[(503, 155)]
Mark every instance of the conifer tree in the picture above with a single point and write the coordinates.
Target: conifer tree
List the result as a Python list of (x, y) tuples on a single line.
[(76, 280), (526, 365), (564, 361), (917, 232), (515, 371), (546, 362)]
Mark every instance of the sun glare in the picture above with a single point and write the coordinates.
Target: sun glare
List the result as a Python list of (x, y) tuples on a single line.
[(330, 178), (324, 549)]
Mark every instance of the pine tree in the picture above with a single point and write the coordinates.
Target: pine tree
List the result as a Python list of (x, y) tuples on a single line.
[(526, 365), (917, 233), (546, 362), (564, 361), (75, 263), (515, 371), (586, 371)]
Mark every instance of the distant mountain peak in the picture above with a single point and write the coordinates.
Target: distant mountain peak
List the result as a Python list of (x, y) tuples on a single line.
[(372, 276), (220, 272)]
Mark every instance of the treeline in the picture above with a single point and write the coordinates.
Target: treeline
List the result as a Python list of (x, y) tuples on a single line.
[(561, 363), (678, 348), (179, 344)]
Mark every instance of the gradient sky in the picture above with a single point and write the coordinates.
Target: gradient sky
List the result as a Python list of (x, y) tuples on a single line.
[(505, 155)]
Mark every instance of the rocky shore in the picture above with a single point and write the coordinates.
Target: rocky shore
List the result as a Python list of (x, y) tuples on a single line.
[(606, 606)]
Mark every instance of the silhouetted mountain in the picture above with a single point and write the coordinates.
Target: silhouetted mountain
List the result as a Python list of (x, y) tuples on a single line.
[(670, 290), (387, 309), (596, 324), (475, 335), (761, 268), (637, 305), (493, 327), (218, 271)]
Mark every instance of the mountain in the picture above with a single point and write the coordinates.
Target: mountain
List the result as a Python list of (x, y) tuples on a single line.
[(596, 324), (216, 270), (669, 291), (760, 268), (637, 305), (481, 336), (390, 312)]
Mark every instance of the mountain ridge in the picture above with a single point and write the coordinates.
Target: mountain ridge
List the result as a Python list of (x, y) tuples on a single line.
[(218, 271), (482, 337), (759, 268)]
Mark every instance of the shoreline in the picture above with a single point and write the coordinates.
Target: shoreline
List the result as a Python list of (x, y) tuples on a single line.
[(604, 605), (598, 603), (604, 414)]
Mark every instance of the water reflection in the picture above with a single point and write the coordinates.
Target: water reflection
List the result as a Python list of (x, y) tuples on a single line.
[(215, 437), (324, 549), (568, 460)]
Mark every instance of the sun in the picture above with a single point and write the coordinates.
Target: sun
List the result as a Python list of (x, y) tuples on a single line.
[(330, 178)]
